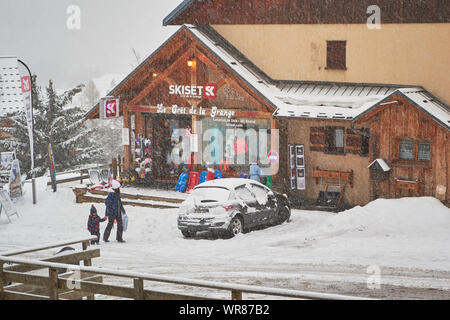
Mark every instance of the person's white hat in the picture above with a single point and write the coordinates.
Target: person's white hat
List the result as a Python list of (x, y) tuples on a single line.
[(115, 184)]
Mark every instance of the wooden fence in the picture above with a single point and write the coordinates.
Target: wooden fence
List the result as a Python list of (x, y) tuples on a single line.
[(67, 281)]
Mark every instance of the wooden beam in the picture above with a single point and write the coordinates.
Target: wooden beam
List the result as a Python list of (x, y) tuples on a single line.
[(139, 288), (86, 176), (11, 295), (137, 196), (238, 113), (46, 247), (236, 295), (141, 95), (66, 258)]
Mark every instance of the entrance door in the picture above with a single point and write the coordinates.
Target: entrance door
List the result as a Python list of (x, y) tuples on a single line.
[(165, 132)]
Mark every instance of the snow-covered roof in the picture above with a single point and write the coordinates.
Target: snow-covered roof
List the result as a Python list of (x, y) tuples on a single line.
[(382, 163), (328, 101), (428, 103), (11, 99)]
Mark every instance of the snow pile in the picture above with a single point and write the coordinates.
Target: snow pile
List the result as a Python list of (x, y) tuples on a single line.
[(414, 217)]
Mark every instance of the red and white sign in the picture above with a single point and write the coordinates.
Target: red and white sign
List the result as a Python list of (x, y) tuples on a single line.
[(26, 84), (25, 79), (208, 91), (109, 108)]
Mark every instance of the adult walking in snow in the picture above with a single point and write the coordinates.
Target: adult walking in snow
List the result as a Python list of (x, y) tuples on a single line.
[(114, 211), (255, 171)]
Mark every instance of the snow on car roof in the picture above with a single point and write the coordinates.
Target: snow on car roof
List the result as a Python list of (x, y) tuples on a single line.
[(228, 183)]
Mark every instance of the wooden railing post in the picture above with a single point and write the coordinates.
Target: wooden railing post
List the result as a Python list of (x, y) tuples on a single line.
[(2, 282), (53, 283), (139, 289), (88, 262), (236, 295), (85, 244)]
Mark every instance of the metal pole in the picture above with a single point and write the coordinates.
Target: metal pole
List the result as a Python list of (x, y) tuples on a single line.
[(33, 185)]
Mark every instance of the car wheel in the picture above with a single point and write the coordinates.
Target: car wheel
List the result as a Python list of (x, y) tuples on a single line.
[(236, 226), (187, 234), (284, 215)]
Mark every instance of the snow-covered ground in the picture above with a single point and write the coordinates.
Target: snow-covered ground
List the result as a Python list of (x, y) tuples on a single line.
[(407, 240)]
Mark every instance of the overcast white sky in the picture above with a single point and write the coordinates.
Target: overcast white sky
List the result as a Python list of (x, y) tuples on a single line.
[(36, 32)]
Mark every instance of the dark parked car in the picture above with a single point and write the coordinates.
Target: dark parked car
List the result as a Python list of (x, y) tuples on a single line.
[(227, 207)]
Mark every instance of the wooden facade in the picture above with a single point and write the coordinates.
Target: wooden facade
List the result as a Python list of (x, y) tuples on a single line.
[(374, 136), (322, 166), (400, 121)]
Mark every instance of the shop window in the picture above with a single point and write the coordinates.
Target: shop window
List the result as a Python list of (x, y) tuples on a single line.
[(424, 151), (334, 140), (414, 150), (336, 55), (406, 150)]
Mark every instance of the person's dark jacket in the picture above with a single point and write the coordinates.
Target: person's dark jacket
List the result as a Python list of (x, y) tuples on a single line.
[(94, 224), (113, 203)]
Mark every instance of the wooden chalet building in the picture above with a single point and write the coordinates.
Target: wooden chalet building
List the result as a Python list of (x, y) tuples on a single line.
[(354, 113)]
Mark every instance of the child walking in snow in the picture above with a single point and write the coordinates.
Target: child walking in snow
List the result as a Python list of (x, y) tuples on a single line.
[(93, 224)]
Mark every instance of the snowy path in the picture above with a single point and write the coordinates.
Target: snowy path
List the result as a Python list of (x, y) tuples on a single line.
[(407, 239)]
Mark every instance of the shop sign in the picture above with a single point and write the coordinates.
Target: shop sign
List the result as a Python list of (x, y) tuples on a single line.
[(109, 108), (213, 112), (207, 91)]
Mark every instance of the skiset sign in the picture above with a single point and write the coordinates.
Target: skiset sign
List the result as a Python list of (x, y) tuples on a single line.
[(207, 91), (109, 108)]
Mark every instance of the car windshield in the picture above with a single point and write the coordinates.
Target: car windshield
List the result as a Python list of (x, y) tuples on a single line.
[(211, 194)]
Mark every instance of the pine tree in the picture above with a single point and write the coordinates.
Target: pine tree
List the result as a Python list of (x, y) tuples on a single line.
[(61, 126)]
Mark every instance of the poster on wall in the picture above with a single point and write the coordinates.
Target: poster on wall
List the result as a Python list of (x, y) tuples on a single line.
[(15, 181), (297, 167), (301, 182), (300, 164), (125, 136), (133, 137)]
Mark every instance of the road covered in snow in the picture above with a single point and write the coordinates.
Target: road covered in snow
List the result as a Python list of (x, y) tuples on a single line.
[(403, 245)]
